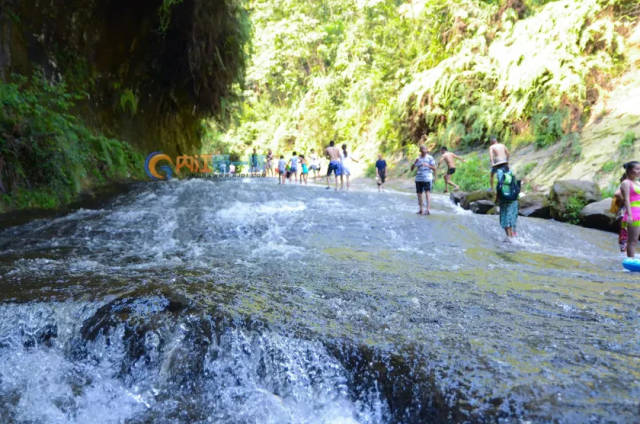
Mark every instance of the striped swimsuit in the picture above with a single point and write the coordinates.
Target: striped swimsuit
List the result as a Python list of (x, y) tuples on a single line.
[(634, 200)]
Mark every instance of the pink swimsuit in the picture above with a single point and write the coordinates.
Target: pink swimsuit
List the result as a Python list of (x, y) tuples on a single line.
[(634, 200)]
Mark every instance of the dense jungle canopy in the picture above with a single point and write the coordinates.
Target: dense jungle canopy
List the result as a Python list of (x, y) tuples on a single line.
[(381, 75)]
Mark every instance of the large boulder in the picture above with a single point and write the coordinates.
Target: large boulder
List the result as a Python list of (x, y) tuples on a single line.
[(597, 215), (482, 206), (456, 196), (568, 197), (534, 205), (474, 196)]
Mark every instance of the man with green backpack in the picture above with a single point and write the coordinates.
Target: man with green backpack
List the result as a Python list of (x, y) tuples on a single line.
[(507, 192)]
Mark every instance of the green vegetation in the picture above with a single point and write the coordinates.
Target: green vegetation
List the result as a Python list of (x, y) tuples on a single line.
[(628, 140), (574, 206), (608, 166), (382, 74), (610, 190), (473, 174), (47, 155), (148, 75), (526, 170)]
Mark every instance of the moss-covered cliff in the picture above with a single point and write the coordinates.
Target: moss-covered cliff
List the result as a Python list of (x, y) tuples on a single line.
[(145, 72)]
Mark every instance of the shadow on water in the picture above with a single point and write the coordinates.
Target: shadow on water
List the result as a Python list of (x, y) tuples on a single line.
[(243, 301)]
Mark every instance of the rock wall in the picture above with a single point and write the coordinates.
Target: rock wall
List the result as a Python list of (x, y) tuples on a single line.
[(151, 69)]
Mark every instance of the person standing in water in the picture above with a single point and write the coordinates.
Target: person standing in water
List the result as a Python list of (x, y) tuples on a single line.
[(631, 195), (305, 169), (508, 206), (269, 164), (381, 172), (282, 168), (315, 164), (333, 153), (254, 163), (499, 156), (346, 159), (450, 159), (426, 166), (293, 162)]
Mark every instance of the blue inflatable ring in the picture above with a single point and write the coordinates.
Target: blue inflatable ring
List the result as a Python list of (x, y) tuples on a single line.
[(632, 264)]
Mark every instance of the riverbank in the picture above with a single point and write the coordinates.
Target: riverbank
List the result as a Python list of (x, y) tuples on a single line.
[(92, 198)]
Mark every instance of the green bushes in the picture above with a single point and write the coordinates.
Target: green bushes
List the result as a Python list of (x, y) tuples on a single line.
[(370, 170), (47, 155), (386, 73), (547, 126), (473, 174), (574, 206)]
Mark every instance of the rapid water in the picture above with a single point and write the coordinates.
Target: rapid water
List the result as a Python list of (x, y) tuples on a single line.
[(243, 301)]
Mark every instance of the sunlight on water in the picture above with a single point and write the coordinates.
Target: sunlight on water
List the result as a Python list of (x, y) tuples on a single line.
[(245, 301)]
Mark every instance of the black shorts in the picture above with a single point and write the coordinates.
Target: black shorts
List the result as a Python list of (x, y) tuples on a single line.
[(422, 186), (382, 175), (495, 168), (451, 171)]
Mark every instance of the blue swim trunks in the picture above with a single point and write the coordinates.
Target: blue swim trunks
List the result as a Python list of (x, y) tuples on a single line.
[(336, 167)]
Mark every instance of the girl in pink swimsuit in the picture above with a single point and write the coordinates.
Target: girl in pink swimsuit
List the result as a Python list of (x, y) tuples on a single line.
[(631, 194)]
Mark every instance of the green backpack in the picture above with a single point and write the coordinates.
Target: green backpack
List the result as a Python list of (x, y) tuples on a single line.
[(508, 186)]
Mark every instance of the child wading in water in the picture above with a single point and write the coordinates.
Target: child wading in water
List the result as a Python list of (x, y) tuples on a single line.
[(631, 195), (426, 166), (305, 169)]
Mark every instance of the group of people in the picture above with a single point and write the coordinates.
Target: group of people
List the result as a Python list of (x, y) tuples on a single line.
[(626, 201), (507, 188), (297, 168)]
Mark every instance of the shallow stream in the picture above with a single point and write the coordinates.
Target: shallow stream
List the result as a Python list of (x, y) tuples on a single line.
[(242, 301)]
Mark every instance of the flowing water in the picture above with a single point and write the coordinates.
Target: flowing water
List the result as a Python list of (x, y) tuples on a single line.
[(242, 301)]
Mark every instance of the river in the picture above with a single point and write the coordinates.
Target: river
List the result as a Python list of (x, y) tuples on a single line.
[(241, 301)]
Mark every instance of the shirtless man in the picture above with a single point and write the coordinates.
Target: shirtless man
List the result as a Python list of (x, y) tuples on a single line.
[(499, 156), (450, 159), (333, 153)]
